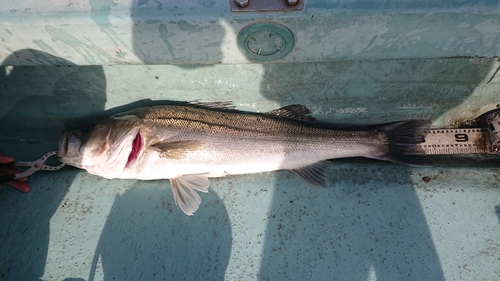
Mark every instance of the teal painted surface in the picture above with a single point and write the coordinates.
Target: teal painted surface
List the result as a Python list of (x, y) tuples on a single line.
[(354, 62), (204, 31), (376, 221)]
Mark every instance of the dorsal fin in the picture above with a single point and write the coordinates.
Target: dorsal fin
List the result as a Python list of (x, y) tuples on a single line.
[(218, 105), (295, 112)]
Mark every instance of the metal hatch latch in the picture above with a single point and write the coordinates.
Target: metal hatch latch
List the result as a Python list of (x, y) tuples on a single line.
[(266, 5)]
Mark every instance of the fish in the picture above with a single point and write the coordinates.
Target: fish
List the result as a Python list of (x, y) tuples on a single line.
[(191, 142)]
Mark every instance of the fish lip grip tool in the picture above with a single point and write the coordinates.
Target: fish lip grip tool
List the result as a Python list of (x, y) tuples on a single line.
[(34, 166)]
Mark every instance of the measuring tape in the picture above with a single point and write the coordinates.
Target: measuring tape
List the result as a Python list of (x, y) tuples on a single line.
[(465, 141)]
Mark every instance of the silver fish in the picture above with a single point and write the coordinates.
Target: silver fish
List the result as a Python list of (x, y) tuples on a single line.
[(190, 143)]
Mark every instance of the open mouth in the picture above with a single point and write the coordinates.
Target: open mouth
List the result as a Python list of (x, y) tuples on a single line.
[(136, 148)]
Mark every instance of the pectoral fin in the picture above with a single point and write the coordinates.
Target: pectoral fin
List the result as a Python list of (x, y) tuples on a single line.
[(313, 174), (184, 190), (177, 149)]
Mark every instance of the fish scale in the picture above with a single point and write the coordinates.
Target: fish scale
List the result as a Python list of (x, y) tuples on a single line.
[(190, 143)]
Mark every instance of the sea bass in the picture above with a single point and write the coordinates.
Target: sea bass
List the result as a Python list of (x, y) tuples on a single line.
[(192, 142)]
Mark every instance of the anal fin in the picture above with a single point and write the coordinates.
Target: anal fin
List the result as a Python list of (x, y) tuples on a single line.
[(184, 189), (313, 174)]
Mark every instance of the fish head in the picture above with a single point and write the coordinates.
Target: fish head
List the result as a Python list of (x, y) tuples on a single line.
[(104, 150)]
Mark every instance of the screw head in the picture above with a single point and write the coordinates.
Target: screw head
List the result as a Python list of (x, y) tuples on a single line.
[(292, 2), (242, 3)]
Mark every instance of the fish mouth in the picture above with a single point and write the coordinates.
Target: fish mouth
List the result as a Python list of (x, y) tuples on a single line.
[(69, 144), (62, 146), (68, 150), (136, 149)]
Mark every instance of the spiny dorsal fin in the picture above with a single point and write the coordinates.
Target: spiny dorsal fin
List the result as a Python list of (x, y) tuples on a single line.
[(177, 149), (313, 174), (184, 189), (295, 112), (218, 105)]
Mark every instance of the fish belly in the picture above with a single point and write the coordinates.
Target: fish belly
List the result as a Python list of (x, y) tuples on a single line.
[(223, 156)]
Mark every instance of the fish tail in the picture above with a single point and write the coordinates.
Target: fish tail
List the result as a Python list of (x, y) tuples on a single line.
[(404, 139)]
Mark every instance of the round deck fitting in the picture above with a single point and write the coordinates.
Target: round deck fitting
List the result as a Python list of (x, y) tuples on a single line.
[(265, 42)]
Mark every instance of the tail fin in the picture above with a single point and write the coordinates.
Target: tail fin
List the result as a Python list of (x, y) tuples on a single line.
[(404, 137)]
